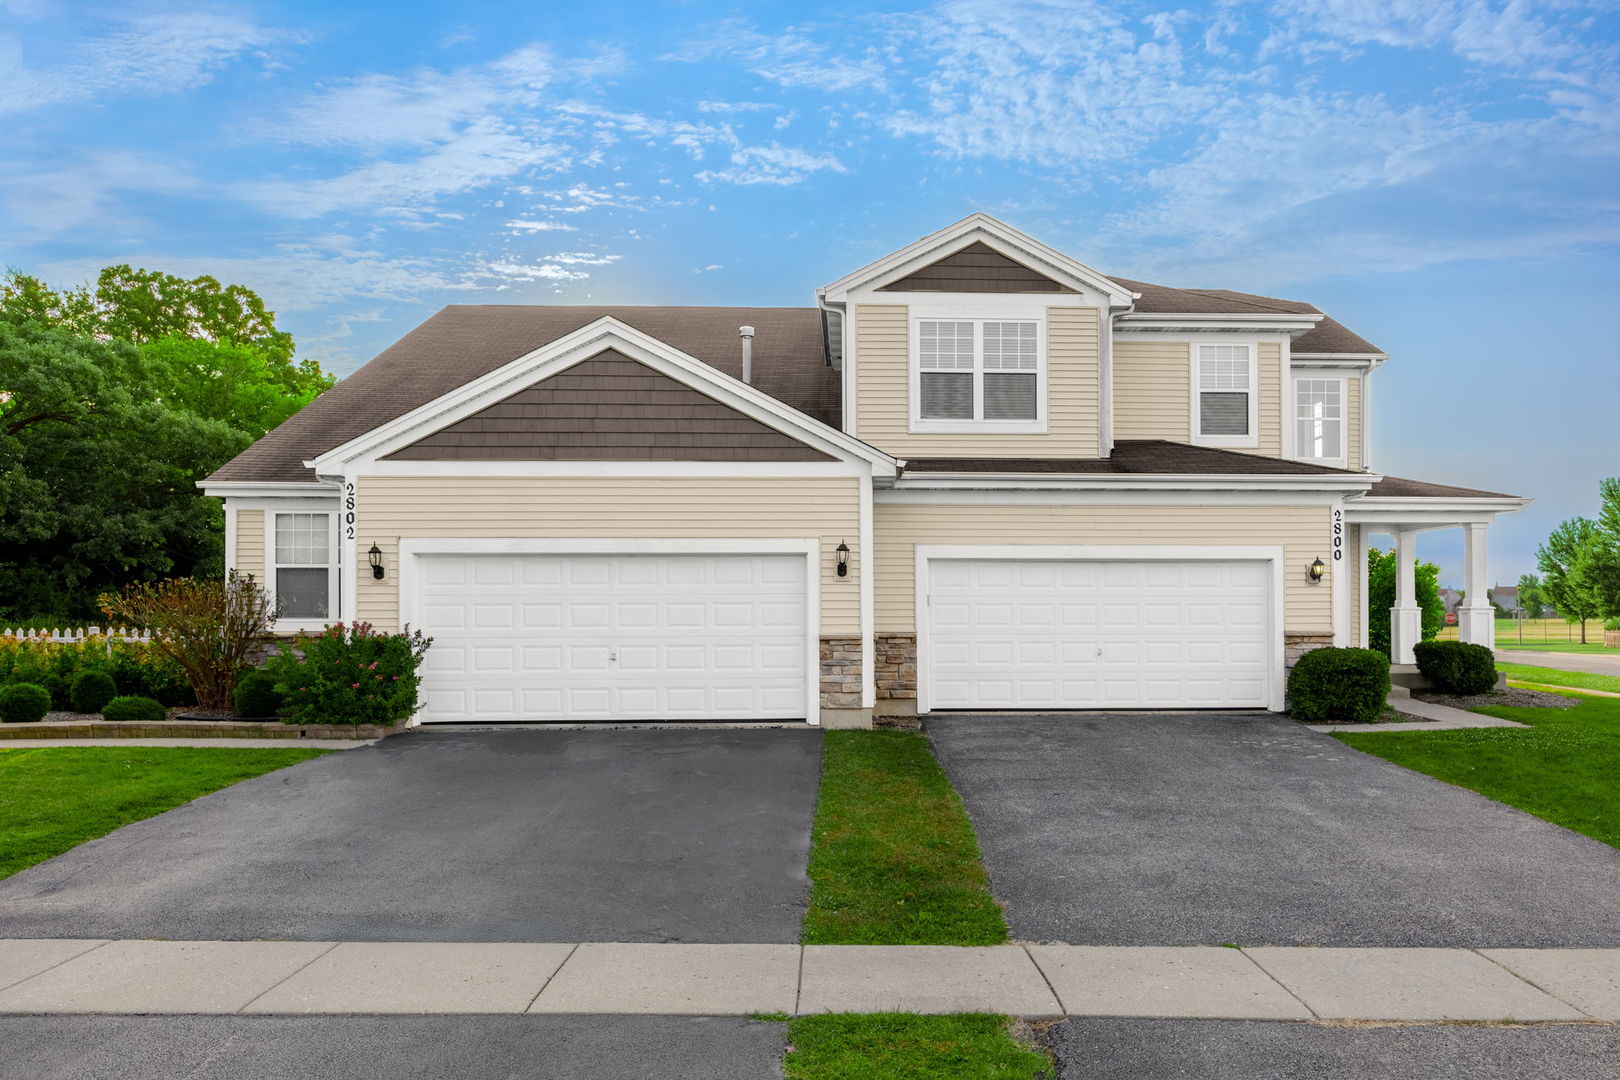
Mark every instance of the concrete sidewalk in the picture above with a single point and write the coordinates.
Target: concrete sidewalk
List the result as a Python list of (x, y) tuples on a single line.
[(55, 976)]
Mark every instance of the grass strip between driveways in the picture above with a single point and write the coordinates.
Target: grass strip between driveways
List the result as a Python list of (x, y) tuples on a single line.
[(1577, 680), (905, 1046), (53, 799), (893, 858), (1565, 768)]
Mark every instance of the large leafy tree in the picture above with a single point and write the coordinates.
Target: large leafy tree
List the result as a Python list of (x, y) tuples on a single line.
[(1531, 598), (1381, 597), (1566, 566), (114, 400)]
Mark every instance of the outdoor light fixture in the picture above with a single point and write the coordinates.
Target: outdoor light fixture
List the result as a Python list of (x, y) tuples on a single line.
[(376, 562), (1317, 571), (843, 559)]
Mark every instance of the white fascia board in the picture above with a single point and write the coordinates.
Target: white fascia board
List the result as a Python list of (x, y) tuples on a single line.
[(996, 234), (1155, 322), (248, 489), (1391, 507), (1070, 497), (942, 481), (784, 470), (1324, 363), (584, 343), (1360, 359)]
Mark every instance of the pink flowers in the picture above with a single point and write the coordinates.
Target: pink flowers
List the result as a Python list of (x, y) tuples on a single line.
[(354, 686)]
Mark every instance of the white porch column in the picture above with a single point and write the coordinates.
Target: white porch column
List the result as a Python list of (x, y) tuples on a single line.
[(1405, 618), (1476, 619)]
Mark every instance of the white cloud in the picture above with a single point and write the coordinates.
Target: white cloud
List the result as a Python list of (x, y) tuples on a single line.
[(521, 225), (771, 165), (562, 267), (734, 106), (791, 58), (484, 152), (144, 54), (85, 192)]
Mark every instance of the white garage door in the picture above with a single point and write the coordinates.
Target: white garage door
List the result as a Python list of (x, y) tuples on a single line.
[(1017, 634), (613, 637)]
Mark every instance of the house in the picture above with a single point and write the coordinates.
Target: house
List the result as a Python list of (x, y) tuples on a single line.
[(1451, 599), (976, 474)]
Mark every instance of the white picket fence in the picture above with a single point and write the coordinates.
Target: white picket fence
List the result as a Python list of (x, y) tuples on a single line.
[(70, 635)]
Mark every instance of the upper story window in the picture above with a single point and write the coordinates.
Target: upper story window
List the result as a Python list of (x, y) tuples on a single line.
[(303, 572), (1319, 419), (980, 375), (1225, 411)]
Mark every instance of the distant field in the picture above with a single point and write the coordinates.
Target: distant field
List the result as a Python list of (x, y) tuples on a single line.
[(1549, 634)]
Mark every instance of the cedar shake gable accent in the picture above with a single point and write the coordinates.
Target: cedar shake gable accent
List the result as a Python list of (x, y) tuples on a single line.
[(608, 408), (977, 268)]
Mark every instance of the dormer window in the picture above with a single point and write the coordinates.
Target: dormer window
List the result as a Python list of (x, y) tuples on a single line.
[(978, 375), (1224, 409)]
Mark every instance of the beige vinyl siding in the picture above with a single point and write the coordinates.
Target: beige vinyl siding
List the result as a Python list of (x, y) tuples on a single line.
[(1152, 390), (249, 555), (1304, 531), (820, 508), (1268, 357), (1153, 393), (1352, 422), (882, 367)]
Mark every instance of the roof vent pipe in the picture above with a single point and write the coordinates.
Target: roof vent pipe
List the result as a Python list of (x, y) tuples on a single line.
[(747, 335)]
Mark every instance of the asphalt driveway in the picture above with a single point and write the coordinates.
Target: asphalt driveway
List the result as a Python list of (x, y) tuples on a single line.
[(1197, 829), (677, 835)]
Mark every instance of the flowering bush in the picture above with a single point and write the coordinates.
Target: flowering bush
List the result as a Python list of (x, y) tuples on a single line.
[(135, 666), (349, 674), (207, 628)]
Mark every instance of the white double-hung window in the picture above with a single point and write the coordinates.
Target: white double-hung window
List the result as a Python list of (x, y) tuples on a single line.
[(303, 567), (1225, 412), (1319, 419), (979, 375)]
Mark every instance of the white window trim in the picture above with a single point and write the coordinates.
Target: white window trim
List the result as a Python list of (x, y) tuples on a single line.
[(1292, 412), (334, 591), (1195, 436), (1273, 555), (917, 425)]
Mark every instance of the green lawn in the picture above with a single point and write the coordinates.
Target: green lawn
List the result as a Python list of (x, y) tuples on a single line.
[(1565, 768), (1543, 635), (893, 858), (1578, 680), (905, 1046), (57, 798)]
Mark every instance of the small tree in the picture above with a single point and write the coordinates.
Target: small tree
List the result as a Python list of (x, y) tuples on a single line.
[(1531, 601), (208, 628), (1565, 561), (1381, 597)]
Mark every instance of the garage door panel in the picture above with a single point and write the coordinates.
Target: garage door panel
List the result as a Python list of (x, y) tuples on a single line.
[(1016, 633), (603, 637)]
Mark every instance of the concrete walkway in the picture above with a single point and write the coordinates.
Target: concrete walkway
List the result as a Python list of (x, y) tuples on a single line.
[(1426, 716), (56, 976), (1591, 663)]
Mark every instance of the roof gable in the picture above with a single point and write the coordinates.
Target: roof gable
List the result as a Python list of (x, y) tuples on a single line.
[(976, 268), (608, 408), (980, 230)]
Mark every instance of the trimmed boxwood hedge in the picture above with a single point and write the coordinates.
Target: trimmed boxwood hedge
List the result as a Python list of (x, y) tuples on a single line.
[(24, 703), (256, 695), (1338, 686), (134, 710), (1456, 667), (91, 690)]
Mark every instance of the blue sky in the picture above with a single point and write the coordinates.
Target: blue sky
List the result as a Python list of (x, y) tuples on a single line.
[(1441, 175)]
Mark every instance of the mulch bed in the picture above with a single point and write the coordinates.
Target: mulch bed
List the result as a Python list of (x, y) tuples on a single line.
[(1512, 698)]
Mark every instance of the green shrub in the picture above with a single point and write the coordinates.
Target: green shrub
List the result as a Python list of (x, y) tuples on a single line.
[(134, 710), (1612, 623), (1347, 686), (135, 666), (1456, 667), (256, 694), (92, 689), (24, 703), (349, 675)]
